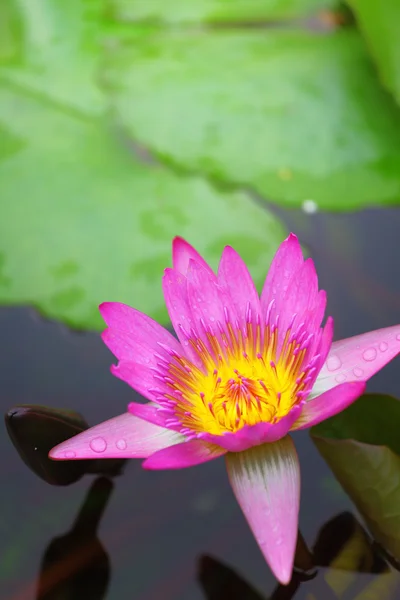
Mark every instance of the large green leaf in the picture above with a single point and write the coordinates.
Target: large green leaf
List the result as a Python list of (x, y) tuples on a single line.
[(53, 48), (84, 221), (362, 447), (229, 11), (379, 20), (295, 115)]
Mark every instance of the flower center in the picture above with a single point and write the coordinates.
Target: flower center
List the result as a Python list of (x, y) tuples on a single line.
[(244, 379)]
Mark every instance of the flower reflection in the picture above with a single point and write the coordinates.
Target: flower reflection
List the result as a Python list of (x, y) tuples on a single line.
[(342, 548), (245, 371), (75, 565)]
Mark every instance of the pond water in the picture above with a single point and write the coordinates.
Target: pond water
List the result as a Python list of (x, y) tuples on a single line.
[(158, 528)]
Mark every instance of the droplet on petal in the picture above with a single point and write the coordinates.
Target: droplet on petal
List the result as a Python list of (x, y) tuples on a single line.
[(70, 454), (383, 346), (98, 444), (121, 444), (340, 378), (358, 372), (369, 354), (333, 363)]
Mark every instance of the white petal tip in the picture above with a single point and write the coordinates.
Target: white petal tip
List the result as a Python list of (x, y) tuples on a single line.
[(282, 573)]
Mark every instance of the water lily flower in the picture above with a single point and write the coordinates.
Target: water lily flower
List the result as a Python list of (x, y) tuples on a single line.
[(244, 372)]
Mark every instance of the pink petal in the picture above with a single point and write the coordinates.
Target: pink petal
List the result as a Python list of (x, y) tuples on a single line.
[(329, 403), (141, 378), (134, 336), (187, 454), (358, 358), (300, 299), (234, 276), (210, 304), (176, 298), (286, 262), (148, 412), (266, 483), (254, 435), (124, 436), (182, 252)]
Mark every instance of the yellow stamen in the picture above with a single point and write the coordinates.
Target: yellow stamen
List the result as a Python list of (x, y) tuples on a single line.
[(243, 380)]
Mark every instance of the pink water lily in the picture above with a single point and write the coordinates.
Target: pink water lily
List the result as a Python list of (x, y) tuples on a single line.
[(244, 371)]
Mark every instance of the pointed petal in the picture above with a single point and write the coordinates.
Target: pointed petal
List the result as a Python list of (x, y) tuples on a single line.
[(300, 299), (148, 412), (266, 483), (329, 403), (141, 378), (176, 298), (187, 454), (210, 305), (286, 262), (134, 336), (124, 436), (254, 435), (234, 276), (182, 252), (358, 358)]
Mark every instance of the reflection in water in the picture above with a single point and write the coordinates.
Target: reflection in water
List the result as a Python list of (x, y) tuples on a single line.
[(342, 545), (220, 582), (75, 566)]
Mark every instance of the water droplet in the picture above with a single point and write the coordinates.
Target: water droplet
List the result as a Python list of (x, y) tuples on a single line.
[(69, 454), (333, 363), (121, 444), (212, 319), (98, 444), (340, 378), (383, 346), (358, 372), (278, 541), (369, 354)]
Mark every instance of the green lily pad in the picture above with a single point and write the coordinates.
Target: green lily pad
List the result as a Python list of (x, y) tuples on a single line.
[(178, 11), (84, 221), (379, 21), (53, 48), (295, 115), (362, 447)]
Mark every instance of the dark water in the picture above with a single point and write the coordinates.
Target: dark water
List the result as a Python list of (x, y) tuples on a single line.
[(157, 525)]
